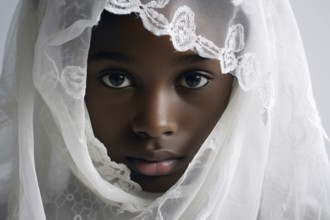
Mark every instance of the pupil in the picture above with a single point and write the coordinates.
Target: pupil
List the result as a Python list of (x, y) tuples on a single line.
[(116, 79), (193, 80)]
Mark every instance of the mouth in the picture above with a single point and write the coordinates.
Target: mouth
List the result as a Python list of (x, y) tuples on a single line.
[(154, 168), (155, 165)]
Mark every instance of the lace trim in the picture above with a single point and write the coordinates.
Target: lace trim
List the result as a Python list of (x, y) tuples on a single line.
[(182, 31)]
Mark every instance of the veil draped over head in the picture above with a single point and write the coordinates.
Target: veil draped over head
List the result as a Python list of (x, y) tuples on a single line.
[(265, 158)]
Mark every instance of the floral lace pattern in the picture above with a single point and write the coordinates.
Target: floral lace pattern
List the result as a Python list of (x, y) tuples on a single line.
[(182, 30), (74, 80), (82, 203), (234, 44)]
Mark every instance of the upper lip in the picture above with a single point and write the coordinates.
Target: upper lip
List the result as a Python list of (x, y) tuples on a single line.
[(155, 156)]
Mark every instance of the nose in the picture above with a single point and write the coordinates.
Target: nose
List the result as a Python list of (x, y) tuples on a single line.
[(155, 114)]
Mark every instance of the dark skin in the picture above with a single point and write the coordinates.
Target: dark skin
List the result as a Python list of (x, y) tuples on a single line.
[(152, 107)]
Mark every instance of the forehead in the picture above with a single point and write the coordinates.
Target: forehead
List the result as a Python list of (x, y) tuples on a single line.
[(124, 32)]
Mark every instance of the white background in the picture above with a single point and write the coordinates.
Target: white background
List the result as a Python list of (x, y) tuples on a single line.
[(313, 18)]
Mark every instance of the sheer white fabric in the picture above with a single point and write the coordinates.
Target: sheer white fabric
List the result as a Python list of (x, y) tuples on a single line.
[(265, 159)]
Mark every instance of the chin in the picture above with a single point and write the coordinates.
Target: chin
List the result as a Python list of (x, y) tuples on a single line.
[(156, 184)]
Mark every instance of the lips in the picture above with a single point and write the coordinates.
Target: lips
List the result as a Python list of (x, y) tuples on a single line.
[(158, 163)]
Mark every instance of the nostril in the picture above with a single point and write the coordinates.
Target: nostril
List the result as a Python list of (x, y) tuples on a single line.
[(144, 134), (153, 127), (168, 133)]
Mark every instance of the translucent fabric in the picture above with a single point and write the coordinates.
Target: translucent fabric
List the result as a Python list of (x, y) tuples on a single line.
[(265, 159)]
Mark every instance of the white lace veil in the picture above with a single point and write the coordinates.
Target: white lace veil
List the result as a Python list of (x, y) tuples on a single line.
[(265, 159)]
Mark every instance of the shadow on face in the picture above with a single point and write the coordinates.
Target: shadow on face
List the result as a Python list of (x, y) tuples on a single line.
[(152, 107)]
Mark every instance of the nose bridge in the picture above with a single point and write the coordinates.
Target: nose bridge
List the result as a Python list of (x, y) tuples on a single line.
[(155, 115)]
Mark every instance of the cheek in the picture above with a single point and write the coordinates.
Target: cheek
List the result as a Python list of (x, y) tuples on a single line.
[(110, 123), (107, 117), (109, 113), (201, 123), (203, 113)]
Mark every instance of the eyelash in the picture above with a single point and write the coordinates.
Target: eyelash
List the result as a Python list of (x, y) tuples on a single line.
[(125, 80), (204, 76)]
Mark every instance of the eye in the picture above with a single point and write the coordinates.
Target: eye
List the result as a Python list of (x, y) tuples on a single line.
[(116, 79), (194, 80)]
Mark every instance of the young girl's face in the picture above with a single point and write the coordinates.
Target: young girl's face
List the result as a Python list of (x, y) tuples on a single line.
[(152, 107)]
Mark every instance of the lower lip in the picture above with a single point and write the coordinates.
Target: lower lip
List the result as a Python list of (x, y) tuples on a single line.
[(154, 168)]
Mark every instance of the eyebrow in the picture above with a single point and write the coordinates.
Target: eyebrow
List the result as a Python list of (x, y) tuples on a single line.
[(115, 56), (120, 57), (191, 58)]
